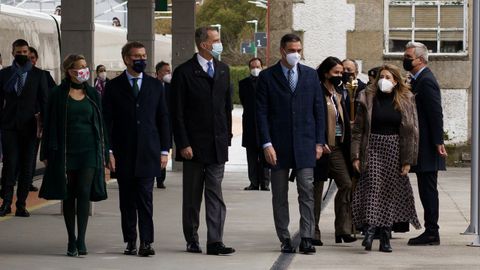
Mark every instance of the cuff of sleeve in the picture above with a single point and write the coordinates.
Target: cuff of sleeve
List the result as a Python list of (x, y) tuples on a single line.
[(266, 145), (164, 153)]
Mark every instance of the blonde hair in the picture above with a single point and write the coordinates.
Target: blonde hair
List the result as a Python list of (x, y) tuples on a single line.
[(401, 90), (69, 62)]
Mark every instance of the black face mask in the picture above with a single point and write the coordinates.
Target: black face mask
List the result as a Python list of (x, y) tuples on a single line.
[(407, 64), (139, 65), (21, 59), (335, 80), (346, 77)]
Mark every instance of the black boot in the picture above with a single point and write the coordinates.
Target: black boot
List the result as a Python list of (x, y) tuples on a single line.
[(385, 240), (368, 239)]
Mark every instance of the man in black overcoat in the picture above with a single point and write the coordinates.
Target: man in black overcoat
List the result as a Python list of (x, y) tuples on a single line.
[(258, 172), (136, 116), (431, 152), (202, 127)]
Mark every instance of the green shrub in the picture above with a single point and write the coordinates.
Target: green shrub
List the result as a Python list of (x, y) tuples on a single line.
[(237, 73)]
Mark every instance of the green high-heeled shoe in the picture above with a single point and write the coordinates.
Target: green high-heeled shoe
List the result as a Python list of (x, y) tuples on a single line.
[(72, 249)]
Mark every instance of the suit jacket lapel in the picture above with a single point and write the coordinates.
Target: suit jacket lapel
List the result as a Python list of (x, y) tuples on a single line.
[(127, 88), (280, 77), (300, 79)]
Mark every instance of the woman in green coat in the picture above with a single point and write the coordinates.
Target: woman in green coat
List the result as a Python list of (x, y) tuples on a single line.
[(74, 150)]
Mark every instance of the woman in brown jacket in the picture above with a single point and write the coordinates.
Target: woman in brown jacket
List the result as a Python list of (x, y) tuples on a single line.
[(384, 146)]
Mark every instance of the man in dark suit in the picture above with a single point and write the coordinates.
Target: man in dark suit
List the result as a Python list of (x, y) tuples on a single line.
[(432, 153), (23, 93), (202, 127), (164, 75), (136, 117), (33, 56), (258, 172), (351, 85), (290, 119)]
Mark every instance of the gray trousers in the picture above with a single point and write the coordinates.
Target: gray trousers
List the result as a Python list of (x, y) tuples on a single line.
[(279, 184), (201, 178)]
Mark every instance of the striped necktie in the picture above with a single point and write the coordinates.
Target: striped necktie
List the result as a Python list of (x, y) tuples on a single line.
[(291, 80)]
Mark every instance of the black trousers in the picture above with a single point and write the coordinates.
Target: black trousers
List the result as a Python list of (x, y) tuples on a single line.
[(258, 173), (136, 203), (427, 188), (161, 178), (18, 147)]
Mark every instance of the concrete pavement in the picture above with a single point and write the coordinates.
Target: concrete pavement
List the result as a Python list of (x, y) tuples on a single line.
[(40, 242)]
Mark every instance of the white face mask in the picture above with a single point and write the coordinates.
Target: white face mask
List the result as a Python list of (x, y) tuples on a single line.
[(293, 58), (385, 85), (255, 72), (102, 75), (83, 75), (167, 78)]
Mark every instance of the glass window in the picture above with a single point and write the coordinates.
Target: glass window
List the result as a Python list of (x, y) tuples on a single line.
[(439, 24)]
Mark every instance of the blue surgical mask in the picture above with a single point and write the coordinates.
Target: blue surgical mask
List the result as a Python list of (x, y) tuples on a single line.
[(139, 65), (217, 49)]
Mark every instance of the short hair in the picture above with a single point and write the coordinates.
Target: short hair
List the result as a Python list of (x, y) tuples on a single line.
[(129, 46), (289, 38), (326, 66), (373, 72), (420, 49), (33, 50), (255, 59), (99, 66), (69, 61), (19, 43), (159, 65), (201, 34), (353, 61)]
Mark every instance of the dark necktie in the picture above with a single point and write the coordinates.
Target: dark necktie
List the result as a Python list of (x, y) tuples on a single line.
[(291, 81), (19, 85), (136, 90)]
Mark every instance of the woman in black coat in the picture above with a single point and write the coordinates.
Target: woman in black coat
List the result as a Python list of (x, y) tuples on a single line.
[(335, 163), (74, 150)]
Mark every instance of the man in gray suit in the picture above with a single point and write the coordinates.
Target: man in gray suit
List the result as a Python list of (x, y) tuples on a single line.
[(202, 127), (290, 120)]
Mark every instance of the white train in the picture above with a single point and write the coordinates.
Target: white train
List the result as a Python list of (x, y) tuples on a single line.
[(42, 31)]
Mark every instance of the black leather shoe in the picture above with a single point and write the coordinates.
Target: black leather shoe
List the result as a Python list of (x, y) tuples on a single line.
[(219, 249), (145, 250), (347, 238), (22, 212), (5, 210), (193, 247), (264, 188), (385, 240), (306, 246), (161, 185), (131, 248), (425, 239), (32, 188), (251, 187), (287, 246), (369, 236), (317, 242)]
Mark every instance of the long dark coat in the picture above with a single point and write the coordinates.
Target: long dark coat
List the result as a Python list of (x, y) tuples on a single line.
[(292, 121), (54, 185), (138, 127), (430, 122), (202, 111), (246, 91)]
